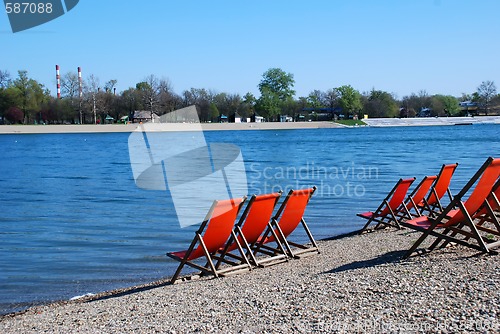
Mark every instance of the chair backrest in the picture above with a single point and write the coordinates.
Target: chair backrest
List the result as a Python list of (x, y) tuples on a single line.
[(496, 190), (492, 200), (397, 195), (292, 209), (442, 183), (258, 216), (219, 224), (485, 177), (255, 218), (419, 193)]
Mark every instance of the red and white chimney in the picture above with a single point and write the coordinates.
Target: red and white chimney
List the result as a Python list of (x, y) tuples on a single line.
[(80, 84), (58, 78)]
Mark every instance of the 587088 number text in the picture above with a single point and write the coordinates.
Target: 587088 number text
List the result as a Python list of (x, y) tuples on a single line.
[(28, 8)]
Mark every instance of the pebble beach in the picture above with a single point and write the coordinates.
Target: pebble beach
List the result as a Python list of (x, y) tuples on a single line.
[(358, 283)]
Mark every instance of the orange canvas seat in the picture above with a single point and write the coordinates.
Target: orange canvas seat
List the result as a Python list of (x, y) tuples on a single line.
[(493, 200), (488, 216), (389, 211), (457, 222), (212, 235), (252, 224), (286, 220)]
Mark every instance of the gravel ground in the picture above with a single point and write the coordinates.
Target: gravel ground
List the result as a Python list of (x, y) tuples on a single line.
[(357, 284)]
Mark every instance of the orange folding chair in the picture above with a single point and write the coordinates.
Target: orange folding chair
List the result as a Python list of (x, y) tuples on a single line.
[(252, 224), (456, 223), (441, 187), (391, 209), (286, 220), (417, 196), (212, 235)]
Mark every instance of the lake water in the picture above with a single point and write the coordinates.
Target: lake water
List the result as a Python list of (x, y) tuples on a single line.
[(72, 220)]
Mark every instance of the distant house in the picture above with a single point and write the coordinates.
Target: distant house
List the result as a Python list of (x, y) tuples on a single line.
[(236, 118), (469, 107), (144, 116), (286, 118), (256, 118), (223, 119), (109, 119), (425, 112), (123, 120)]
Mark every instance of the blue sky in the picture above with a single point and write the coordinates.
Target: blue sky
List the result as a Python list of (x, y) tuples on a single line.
[(400, 46)]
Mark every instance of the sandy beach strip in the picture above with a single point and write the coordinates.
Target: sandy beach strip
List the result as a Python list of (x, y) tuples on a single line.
[(112, 128), (372, 122), (357, 284)]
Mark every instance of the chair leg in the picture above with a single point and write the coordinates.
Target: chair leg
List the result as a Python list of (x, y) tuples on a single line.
[(177, 272), (438, 241), (417, 243), (241, 250), (366, 225), (209, 258), (282, 239), (308, 232)]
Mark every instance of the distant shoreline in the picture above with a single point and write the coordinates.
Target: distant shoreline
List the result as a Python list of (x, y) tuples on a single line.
[(116, 128)]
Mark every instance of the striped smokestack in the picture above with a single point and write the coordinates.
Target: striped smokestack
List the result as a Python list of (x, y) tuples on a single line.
[(80, 86), (58, 78)]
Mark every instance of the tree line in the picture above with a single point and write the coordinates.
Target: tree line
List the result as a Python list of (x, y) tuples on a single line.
[(23, 100)]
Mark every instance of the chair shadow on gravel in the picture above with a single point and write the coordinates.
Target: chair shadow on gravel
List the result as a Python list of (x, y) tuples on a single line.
[(394, 256)]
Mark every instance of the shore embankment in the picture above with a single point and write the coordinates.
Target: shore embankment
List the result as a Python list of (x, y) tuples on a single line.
[(373, 122), (357, 284), (431, 121)]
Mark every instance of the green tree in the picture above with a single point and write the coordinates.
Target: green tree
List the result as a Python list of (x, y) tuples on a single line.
[(31, 95), (276, 89), (331, 97), (381, 104), (229, 104), (278, 82), (268, 105), (315, 99), (444, 105), (9, 97), (201, 98), (149, 93), (349, 99), (130, 101), (248, 104), (213, 112)]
